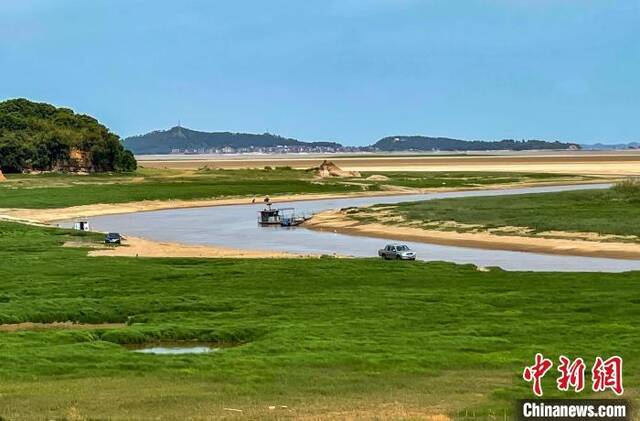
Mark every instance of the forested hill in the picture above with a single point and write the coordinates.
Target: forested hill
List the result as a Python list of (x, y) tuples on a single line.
[(423, 143), (180, 139), (41, 137), (183, 139)]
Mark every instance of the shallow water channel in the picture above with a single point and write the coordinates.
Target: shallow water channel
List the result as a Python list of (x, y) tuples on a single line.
[(236, 226), (174, 348)]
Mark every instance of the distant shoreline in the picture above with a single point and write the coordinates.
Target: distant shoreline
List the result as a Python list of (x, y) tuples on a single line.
[(538, 152), (592, 163)]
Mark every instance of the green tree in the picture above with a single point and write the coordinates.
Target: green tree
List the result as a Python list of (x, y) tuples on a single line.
[(14, 154), (52, 149), (41, 137)]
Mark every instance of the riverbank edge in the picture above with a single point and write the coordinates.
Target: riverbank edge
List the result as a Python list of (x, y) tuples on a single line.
[(337, 221), (141, 247), (53, 215)]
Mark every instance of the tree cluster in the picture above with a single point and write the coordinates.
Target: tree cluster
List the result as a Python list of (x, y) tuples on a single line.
[(37, 136), (424, 143)]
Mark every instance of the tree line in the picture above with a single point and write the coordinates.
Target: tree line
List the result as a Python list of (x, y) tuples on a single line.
[(424, 143)]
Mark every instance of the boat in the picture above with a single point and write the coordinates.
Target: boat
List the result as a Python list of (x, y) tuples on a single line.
[(269, 215), (292, 220), (284, 217)]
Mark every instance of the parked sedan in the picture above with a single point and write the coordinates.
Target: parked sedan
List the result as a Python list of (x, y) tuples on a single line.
[(397, 251), (113, 238)]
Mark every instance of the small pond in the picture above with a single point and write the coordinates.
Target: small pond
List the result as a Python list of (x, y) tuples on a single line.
[(177, 348)]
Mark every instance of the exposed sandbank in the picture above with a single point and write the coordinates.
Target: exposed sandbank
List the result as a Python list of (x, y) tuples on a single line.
[(616, 163), (140, 247), (337, 221)]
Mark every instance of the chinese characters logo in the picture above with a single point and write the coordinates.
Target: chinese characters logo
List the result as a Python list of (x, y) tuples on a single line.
[(605, 374)]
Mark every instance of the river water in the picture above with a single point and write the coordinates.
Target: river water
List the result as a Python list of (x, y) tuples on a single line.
[(236, 226)]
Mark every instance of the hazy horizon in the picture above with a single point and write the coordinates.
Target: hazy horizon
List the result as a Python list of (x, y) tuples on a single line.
[(182, 126), (349, 71)]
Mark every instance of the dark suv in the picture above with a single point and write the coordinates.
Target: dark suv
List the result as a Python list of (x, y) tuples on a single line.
[(113, 238)]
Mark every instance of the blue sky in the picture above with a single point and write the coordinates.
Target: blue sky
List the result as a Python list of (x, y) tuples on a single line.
[(346, 70)]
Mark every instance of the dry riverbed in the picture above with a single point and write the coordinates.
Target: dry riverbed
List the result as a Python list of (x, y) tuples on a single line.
[(609, 163)]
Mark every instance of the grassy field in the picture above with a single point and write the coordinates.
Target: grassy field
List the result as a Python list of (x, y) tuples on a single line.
[(456, 179), (59, 190), (613, 211), (359, 338)]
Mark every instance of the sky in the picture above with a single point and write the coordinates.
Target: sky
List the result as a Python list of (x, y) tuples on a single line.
[(351, 71)]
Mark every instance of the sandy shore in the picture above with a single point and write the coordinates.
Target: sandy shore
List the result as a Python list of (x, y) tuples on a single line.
[(609, 163), (140, 247), (336, 221)]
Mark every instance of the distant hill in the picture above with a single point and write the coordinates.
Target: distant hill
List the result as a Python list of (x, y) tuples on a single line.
[(423, 143), (180, 138), (42, 137), (613, 146)]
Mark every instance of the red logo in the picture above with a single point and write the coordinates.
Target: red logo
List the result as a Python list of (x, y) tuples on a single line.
[(536, 372), (608, 375), (605, 374), (571, 374)]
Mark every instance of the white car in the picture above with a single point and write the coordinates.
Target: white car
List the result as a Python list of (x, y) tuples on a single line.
[(397, 251)]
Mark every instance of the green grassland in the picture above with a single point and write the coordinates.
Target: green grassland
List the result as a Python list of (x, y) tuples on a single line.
[(463, 179), (332, 337), (54, 190), (62, 190), (612, 211)]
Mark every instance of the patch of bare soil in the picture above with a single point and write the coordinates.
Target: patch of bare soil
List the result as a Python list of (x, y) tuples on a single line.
[(402, 189), (387, 412), (85, 244), (377, 177), (587, 236), (329, 169), (16, 327)]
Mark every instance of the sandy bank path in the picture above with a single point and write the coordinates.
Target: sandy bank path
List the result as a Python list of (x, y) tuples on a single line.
[(140, 247), (336, 221)]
